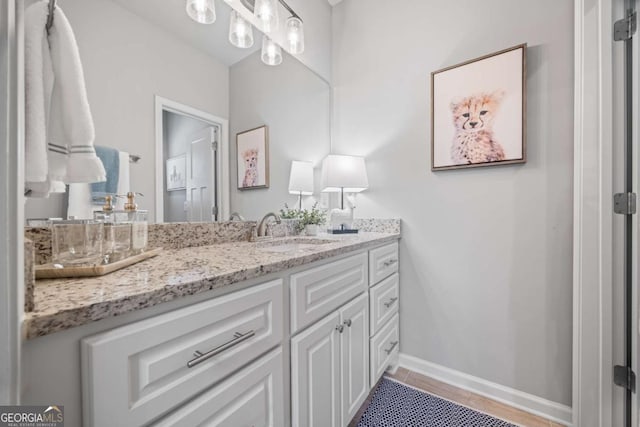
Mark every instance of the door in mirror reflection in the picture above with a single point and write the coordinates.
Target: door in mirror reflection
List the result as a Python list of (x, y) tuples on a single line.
[(190, 162), (201, 184)]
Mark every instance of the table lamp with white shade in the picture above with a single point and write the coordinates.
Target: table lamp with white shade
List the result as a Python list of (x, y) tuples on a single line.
[(301, 179), (343, 174)]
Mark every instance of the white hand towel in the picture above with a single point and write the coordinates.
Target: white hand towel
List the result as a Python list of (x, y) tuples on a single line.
[(80, 201), (59, 127), (124, 173), (70, 125), (80, 206), (38, 87)]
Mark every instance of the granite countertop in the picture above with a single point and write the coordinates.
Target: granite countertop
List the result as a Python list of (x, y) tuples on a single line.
[(61, 304)]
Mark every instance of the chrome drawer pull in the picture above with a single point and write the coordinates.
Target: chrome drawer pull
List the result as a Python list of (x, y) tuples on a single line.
[(390, 262), (393, 345), (390, 302), (348, 322), (340, 328), (237, 339)]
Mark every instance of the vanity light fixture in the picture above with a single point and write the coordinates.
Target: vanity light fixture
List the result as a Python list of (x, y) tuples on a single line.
[(240, 31), (271, 52), (301, 179), (267, 12), (202, 11), (295, 35)]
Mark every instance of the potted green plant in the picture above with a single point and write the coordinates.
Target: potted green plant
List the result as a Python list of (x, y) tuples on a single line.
[(311, 219), (288, 213)]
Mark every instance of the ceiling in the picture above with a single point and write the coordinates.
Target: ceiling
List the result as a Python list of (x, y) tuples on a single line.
[(334, 2), (212, 39)]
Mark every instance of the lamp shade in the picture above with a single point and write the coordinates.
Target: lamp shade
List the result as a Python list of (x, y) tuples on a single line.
[(347, 173), (301, 178)]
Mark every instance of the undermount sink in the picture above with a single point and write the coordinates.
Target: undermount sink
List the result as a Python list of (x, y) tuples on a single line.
[(292, 245)]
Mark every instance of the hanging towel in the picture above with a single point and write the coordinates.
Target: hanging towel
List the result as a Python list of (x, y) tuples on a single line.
[(80, 199), (38, 87), (110, 158), (70, 125), (124, 185), (58, 117)]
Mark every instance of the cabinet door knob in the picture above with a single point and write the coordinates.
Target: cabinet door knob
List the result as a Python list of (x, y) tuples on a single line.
[(340, 328), (348, 322)]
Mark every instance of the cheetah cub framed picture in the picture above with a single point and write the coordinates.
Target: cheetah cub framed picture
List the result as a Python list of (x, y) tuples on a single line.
[(478, 115), (252, 148)]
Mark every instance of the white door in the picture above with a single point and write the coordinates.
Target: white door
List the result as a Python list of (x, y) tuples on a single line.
[(354, 346), (201, 188), (315, 375)]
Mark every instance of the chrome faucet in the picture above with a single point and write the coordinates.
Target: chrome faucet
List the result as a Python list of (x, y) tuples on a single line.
[(262, 228), (237, 216)]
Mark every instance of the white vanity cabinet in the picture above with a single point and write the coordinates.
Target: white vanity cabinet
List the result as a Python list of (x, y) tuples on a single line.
[(136, 373), (329, 367), (301, 347)]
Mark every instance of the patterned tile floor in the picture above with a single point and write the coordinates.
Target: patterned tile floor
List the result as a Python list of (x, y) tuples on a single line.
[(464, 398), (397, 405)]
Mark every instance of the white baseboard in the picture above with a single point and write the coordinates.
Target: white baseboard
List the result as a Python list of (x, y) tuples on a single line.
[(518, 399)]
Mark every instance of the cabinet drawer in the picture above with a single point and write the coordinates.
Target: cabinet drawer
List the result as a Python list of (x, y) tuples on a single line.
[(138, 372), (385, 346), (383, 302), (319, 291), (383, 262), (252, 397)]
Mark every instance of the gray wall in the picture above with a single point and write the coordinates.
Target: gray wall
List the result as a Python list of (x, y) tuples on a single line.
[(177, 133), (127, 61), (294, 103), (486, 253)]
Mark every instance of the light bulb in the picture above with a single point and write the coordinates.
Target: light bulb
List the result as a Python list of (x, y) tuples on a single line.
[(240, 31), (202, 11), (295, 35), (267, 12), (271, 52)]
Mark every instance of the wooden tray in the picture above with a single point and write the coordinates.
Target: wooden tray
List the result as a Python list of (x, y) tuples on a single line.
[(48, 271)]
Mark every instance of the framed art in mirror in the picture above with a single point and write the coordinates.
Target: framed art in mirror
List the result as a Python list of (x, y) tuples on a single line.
[(177, 173), (478, 112), (252, 148)]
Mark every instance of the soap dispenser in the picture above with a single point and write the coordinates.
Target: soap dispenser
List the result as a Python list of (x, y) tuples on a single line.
[(139, 224)]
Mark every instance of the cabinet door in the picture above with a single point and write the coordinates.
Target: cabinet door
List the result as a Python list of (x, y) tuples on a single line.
[(315, 375), (252, 397), (354, 348)]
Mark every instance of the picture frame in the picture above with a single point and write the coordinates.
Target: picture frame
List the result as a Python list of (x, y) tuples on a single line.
[(176, 171), (478, 111), (252, 153)]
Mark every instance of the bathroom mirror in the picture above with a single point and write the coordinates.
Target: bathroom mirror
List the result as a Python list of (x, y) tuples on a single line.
[(138, 54)]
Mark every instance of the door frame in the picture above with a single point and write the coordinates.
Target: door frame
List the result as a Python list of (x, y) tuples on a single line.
[(222, 168), (12, 194), (593, 214)]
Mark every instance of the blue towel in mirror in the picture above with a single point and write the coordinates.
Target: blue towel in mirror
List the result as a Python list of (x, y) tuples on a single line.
[(110, 158)]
